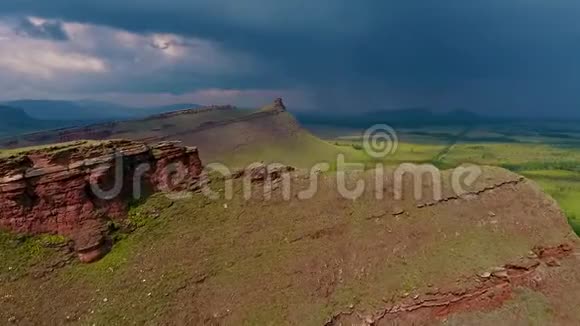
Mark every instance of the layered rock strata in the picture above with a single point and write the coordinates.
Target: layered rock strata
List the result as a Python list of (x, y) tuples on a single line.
[(76, 189)]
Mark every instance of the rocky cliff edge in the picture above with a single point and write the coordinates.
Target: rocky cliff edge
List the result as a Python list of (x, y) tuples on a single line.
[(75, 189)]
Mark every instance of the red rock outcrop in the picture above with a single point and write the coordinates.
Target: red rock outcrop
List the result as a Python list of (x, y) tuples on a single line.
[(75, 189)]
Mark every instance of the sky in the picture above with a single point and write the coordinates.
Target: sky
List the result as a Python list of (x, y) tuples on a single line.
[(500, 57)]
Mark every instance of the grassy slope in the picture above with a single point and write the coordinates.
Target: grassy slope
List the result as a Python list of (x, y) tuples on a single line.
[(55, 147), (256, 263), (564, 186), (552, 162), (133, 129), (201, 258), (276, 138), (19, 253), (303, 150), (544, 163), (174, 124), (243, 258), (270, 138)]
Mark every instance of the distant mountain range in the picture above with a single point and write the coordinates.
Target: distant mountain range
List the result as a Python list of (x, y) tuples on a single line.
[(15, 120)]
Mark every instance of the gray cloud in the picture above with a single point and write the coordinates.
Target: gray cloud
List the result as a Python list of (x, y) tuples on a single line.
[(49, 30), (491, 56)]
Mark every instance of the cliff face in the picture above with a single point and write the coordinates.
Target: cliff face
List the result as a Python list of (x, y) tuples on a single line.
[(74, 190)]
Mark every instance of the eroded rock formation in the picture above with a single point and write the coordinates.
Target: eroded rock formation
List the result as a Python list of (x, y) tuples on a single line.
[(277, 106), (75, 189)]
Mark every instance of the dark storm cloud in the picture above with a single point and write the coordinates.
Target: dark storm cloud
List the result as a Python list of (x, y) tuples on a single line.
[(49, 30), (488, 55)]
